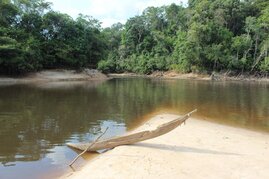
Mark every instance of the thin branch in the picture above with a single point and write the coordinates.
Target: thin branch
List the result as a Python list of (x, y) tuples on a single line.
[(88, 148)]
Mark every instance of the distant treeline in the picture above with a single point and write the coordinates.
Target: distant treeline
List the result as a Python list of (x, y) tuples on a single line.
[(33, 37), (205, 36)]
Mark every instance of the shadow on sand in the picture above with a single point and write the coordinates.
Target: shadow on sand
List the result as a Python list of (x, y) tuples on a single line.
[(176, 148)]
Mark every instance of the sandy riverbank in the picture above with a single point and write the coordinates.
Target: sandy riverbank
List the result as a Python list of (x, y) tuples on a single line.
[(55, 75), (193, 76), (91, 74), (163, 75), (199, 149)]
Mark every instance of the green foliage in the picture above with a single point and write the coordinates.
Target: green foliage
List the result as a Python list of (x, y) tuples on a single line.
[(206, 36), (183, 67), (106, 66), (32, 37), (265, 65)]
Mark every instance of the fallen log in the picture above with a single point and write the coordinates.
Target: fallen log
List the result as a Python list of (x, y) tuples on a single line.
[(131, 138)]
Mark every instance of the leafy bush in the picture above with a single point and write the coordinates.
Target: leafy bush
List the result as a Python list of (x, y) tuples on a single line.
[(106, 66), (182, 67), (265, 65)]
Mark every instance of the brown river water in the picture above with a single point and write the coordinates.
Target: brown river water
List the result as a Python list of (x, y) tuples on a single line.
[(37, 120)]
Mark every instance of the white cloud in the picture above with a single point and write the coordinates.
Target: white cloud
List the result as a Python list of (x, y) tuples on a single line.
[(107, 22), (108, 11), (141, 5)]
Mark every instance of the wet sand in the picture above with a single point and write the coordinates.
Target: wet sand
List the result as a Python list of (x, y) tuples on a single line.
[(199, 149)]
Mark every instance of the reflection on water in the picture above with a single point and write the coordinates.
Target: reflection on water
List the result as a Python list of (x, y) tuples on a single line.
[(37, 120)]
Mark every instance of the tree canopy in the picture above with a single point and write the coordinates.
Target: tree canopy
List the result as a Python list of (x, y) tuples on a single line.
[(33, 37), (205, 36)]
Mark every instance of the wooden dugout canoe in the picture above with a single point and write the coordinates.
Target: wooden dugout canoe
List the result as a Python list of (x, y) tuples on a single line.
[(132, 138)]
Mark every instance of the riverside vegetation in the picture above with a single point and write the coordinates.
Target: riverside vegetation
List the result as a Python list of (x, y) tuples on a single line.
[(201, 37)]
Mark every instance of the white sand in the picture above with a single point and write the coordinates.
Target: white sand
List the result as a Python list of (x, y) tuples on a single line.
[(199, 149)]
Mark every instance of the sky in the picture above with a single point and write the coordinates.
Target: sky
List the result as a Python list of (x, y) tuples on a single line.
[(108, 11)]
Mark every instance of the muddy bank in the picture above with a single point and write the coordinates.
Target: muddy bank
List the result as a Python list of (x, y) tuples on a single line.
[(199, 149), (161, 75), (213, 77), (89, 74), (56, 75)]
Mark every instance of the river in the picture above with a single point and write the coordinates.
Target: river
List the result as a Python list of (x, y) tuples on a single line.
[(37, 120)]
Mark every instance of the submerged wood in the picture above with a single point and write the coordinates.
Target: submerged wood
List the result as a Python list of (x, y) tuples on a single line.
[(132, 138)]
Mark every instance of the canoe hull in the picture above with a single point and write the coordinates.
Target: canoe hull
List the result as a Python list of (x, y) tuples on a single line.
[(131, 138)]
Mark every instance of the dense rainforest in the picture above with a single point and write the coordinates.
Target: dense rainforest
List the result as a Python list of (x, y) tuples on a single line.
[(201, 37)]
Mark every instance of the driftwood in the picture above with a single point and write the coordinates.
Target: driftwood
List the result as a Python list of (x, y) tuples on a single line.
[(131, 138)]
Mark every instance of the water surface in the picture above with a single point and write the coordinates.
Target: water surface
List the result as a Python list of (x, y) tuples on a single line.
[(37, 120)]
